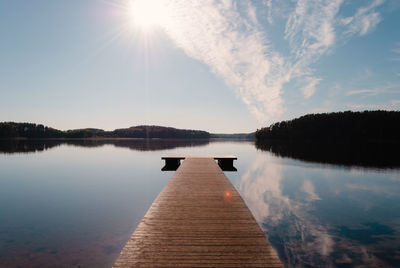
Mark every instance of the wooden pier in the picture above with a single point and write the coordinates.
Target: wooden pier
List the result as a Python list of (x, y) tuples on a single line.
[(198, 220)]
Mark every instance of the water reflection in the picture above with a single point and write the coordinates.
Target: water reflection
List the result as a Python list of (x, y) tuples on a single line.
[(367, 154), (325, 216), (31, 146), (285, 220), (73, 206), (78, 203)]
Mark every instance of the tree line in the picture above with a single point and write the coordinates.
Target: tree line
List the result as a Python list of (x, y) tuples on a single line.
[(30, 130), (339, 126)]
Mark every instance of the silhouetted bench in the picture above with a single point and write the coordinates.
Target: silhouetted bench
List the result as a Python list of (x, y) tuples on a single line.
[(225, 162)]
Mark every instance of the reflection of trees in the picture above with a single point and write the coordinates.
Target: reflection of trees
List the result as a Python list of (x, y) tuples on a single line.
[(365, 154), (28, 146)]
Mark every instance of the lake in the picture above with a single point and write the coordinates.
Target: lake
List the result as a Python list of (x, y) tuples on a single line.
[(76, 203)]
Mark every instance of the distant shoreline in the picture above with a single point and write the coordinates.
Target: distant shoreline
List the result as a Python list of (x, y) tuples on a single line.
[(30, 130)]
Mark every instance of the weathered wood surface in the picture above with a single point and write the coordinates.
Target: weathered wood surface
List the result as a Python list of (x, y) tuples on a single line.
[(198, 220)]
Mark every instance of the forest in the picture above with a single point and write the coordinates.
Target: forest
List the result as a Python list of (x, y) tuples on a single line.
[(160, 132), (30, 130), (339, 126)]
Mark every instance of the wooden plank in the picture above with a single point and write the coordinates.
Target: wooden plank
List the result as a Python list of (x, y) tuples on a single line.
[(198, 220)]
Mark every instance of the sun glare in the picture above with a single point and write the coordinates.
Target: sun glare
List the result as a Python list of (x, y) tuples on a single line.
[(148, 14)]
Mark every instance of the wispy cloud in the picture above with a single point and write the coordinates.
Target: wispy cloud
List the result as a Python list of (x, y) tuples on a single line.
[(363, 91), (364, 20), (391, 88), (268, 4), (310, 30), (235, 48), (229, 37), (396, 52), (311, 84), (392, 105)]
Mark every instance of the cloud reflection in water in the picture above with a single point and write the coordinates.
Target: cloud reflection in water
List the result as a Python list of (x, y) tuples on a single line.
[(304, 224)]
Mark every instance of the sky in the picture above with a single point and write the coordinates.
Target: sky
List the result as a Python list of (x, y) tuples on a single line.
[(222, 66)]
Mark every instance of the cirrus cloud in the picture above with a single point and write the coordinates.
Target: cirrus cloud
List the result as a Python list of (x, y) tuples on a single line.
[(232, 39)]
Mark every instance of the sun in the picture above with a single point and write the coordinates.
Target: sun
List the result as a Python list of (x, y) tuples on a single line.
[(148, 14)]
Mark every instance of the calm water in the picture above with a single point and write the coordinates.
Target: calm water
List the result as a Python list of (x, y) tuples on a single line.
[(76, 204)]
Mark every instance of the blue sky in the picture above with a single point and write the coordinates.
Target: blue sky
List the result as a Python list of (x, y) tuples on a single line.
[(222, 66)]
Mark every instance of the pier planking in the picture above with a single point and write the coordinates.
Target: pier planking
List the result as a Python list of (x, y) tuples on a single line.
[(198, 220)]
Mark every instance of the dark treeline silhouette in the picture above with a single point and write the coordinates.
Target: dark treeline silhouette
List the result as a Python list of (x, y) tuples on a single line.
[(39, 145), (343, 126), (362, 154), (368, 139), (29, 130), (160, 132), (13, 130)]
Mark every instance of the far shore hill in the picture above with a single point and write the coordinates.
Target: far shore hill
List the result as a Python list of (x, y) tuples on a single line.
[(31, 130), (345, 126)]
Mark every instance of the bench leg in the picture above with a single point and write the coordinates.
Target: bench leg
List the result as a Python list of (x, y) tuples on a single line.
[(171, 164), (226, 164)]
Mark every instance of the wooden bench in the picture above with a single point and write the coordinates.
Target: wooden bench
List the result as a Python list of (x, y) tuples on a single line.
[(225, 162)]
